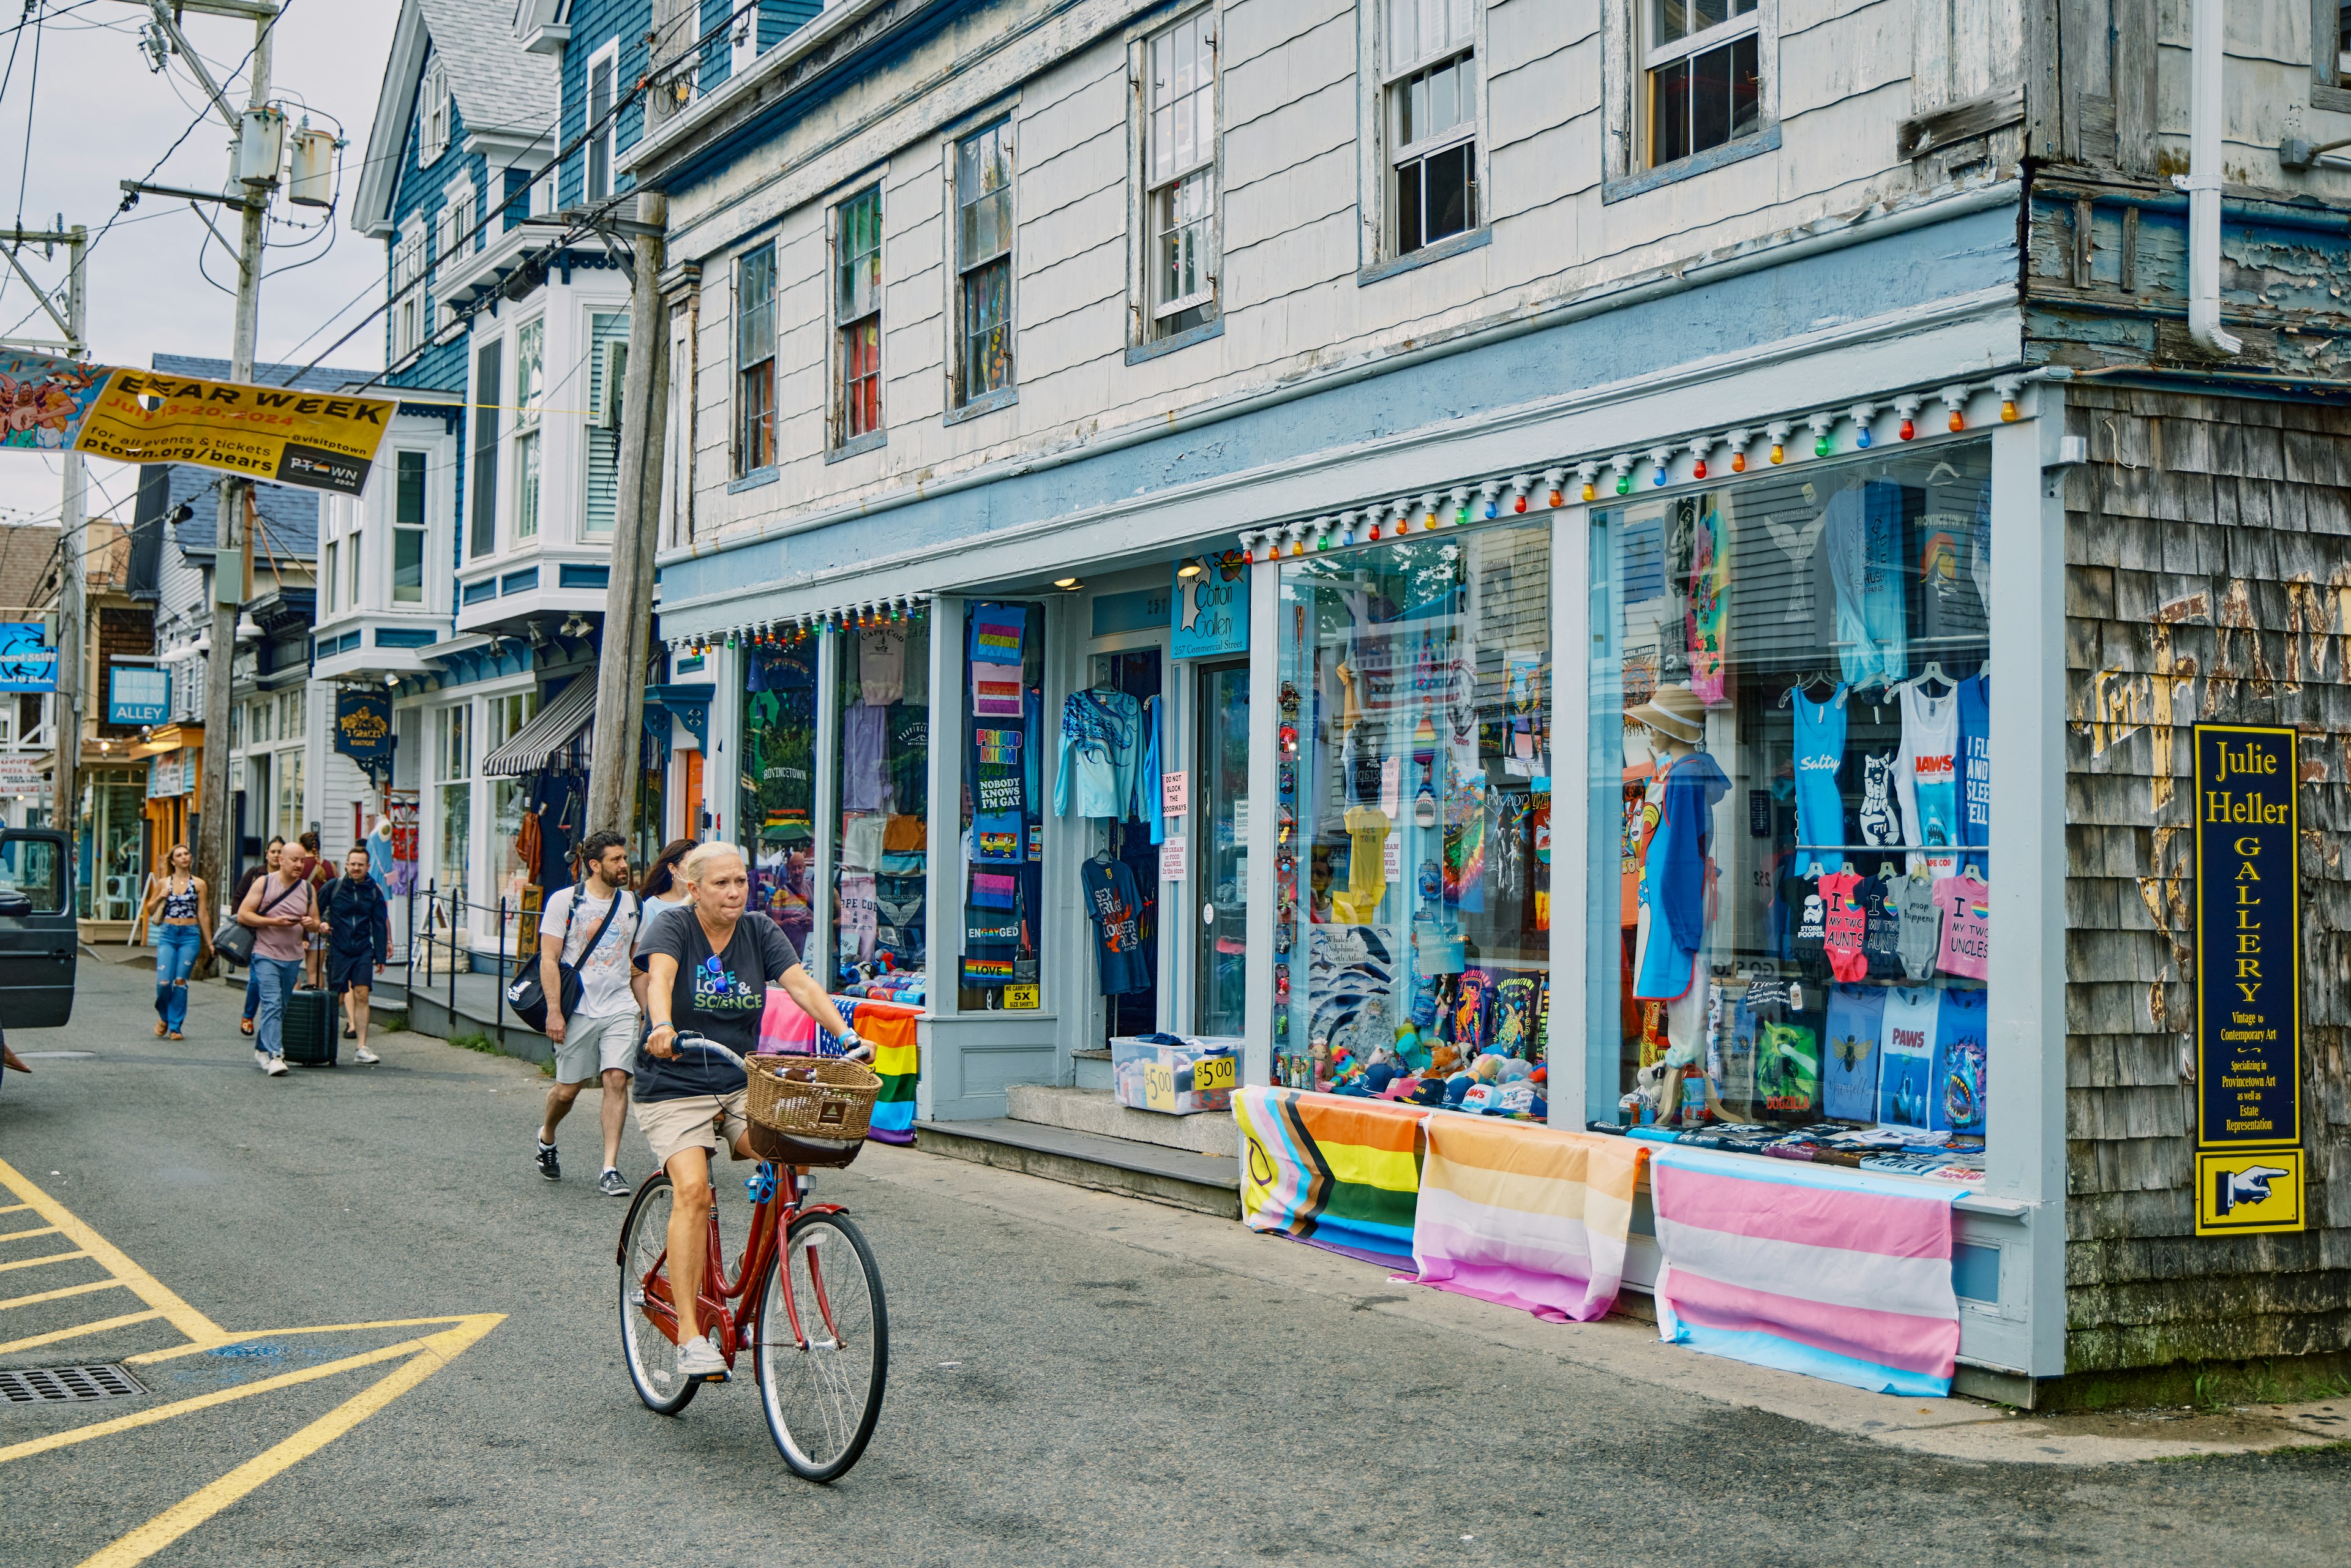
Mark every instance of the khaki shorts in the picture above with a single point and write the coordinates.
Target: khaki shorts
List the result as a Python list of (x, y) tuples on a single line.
[(695, 1121), (596, 1045)]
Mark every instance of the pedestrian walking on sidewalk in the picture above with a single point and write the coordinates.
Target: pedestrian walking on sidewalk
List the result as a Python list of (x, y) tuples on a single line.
[(358, 934), (282, 910), (253, 873), (314, 873), (175, 913), (590, 928)]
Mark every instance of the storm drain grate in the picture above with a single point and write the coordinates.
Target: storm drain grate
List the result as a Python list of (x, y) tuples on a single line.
[(61, 1384)]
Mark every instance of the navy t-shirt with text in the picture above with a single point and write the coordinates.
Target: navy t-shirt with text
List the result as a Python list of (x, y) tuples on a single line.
[(717, 994)]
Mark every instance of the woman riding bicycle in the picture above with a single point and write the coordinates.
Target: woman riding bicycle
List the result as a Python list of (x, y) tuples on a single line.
[(708, 970)]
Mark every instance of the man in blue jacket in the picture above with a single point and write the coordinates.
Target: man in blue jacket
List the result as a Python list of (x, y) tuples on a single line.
[(358, 932)]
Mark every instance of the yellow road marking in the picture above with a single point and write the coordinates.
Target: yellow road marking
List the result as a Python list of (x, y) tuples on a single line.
[(150, 1315), (435, 1352), (176, 1351), (15, 1209), (143, 1284), (37, 1230), (37, 1262), (204, 1402), (41, 1296)]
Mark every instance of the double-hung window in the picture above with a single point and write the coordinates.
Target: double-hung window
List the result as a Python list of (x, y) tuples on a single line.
[(530, 386), (1431, 83), (457, 235), (433, 135), (407, 293), (483, 474), (1180, 174), (856, 316), (1702, 64), (600, 135), (983, 195), (754, 361), (333, 577), (352, 546), (408, 529)]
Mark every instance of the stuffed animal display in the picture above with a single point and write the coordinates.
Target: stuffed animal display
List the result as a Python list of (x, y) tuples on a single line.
[(1470, 1042)]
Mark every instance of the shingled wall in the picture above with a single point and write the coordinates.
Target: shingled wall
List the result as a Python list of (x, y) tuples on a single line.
[(2207, 543)]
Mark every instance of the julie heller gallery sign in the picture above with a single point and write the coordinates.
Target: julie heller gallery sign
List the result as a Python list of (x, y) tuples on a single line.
[(2249, 1160)]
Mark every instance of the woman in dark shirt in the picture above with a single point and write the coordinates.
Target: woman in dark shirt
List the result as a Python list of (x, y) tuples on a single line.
[(707, 973)]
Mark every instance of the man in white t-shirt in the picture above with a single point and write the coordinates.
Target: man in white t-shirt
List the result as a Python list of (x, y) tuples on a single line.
[(599, 1039)]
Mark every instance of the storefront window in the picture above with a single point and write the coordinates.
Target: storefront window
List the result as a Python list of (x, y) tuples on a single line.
[(1791, 797), (1002, 829), (881, 858), (1412, 929), (509, 800), (114, 845), (776, 807)]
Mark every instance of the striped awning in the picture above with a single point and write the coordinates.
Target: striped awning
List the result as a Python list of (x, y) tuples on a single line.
[(548, 733)]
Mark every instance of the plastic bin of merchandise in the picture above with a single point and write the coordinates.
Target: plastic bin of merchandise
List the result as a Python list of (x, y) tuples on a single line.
[(1164, 1073)]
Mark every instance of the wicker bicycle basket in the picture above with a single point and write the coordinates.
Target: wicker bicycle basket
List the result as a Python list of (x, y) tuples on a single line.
[(820, 1097)]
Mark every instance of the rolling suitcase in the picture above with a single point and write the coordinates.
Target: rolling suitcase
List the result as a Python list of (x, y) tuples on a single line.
[(312, 1030)]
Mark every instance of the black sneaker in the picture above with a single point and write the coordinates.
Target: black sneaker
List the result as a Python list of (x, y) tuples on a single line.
[(548, 1166), (612, 1184)]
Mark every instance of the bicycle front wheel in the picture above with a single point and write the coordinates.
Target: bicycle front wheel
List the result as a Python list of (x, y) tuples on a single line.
[(822, 1385), (650, 1353)]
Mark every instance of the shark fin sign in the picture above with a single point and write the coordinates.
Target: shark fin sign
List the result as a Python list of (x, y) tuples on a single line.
[(317, 440)]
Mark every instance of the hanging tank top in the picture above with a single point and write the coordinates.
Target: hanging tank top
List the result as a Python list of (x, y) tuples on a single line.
[(1819, 753)]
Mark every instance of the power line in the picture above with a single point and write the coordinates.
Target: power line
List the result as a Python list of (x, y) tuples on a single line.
[(32, 108)]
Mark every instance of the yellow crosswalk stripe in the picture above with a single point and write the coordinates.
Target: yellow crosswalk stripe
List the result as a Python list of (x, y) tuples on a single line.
[(112, 1259)]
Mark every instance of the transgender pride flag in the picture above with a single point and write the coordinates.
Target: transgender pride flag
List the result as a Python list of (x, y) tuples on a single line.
[(1845, 1276)]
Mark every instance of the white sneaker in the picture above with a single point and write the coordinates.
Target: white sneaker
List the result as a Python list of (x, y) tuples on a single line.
[(261, 1059), (366, 1057), (699, 1361), (275, 1067)]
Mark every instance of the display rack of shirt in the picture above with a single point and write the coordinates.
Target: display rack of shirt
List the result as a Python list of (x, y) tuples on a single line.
[(1843, 925), (1965, 904), (1956, 1104), (1926, 774), (1913, 899), (1820, 755), (864, 742), (1856, 1020), (882, 665), (1114, 908), (1907, 1051), (1865, 561), (1101, 755)]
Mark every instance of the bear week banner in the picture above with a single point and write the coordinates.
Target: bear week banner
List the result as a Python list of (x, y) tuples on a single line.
[(317, 440)]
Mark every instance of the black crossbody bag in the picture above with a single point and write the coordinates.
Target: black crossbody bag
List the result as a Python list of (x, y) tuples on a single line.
[(528, 997)]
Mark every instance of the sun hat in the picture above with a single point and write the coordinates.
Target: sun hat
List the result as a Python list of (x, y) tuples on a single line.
[(1673, 712)]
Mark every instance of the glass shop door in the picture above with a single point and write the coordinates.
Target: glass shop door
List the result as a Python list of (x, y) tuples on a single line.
[(1219, 835)]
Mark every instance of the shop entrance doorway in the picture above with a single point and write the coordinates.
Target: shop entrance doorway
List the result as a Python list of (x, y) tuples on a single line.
[(1139, 674), (1220, 834)]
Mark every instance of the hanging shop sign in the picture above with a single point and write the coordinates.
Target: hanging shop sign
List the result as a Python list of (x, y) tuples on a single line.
[(292, 437), (27, 662), (2249, 1162), (1211, 606), (43, 399), (363, 728), (136, 693)]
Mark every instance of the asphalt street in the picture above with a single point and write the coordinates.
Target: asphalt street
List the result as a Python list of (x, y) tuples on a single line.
[(1129, 1387)]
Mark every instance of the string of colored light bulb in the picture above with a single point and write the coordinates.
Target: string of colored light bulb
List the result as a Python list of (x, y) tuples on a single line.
[(900, 610), (1433, 510)]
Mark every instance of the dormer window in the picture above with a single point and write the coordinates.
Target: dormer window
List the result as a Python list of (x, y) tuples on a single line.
[(432, 101)]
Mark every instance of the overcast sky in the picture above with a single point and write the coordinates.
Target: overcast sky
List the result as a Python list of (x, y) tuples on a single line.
[(96, 116)]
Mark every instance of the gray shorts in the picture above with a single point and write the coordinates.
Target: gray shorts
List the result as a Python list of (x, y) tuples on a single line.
[(595, 1045)]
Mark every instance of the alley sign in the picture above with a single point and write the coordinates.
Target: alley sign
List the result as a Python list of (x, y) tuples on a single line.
[(284, 433), (2247, 981), (138, 693)]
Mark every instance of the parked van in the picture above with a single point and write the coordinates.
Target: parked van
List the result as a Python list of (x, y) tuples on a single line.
[(38, 935)]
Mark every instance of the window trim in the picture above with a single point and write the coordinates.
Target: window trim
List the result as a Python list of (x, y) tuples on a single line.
[(737, 451), (2330, 76), (839, 442), (422, 528), (433, 100), (1624, 71), (1378, 157), (1148, 314), (961, 398), (608, 141), (528, 425)]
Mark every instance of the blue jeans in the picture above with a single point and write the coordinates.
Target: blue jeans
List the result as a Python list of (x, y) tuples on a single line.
[(278, 979), (251, 993), (176, 947)]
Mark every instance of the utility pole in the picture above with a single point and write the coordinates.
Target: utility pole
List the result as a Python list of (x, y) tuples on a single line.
[(65, 706), (616, 742), (252, 133)]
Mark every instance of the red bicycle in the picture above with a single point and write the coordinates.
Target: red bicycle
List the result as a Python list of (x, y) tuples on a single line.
[(822, 1374)]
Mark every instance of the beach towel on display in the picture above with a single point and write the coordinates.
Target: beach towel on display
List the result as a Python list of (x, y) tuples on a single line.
[(1533, 1217), (1338, 1173), (1834, 1274), (889, 1029)]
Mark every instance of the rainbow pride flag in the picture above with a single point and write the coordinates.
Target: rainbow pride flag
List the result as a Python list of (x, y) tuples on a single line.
[(1845, 1276), (1533, 1217), (1336, 1172), (889, 1028)]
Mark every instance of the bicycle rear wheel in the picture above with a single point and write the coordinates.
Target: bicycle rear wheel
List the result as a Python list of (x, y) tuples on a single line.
[(650, 1353), (822, 1391)]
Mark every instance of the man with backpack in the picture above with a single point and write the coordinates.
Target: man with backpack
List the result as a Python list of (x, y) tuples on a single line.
[(591, 929), (358, 934)]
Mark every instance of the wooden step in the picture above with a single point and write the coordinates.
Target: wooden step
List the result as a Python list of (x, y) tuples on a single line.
[(1202, 1183)]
